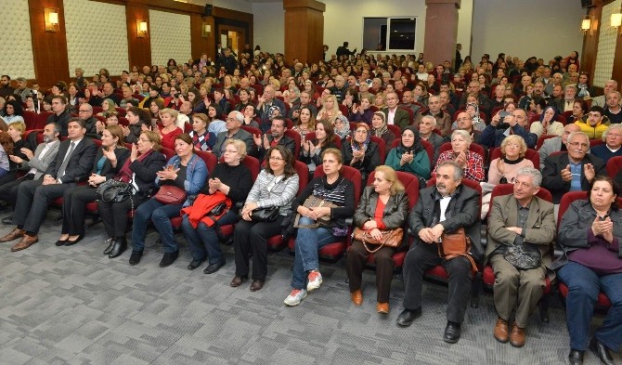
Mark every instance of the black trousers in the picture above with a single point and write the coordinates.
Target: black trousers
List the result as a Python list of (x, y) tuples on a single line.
[(74, 208), (8, 190), (33, 199), (355, 264), (252, 238), (423, 257), (114, 215)]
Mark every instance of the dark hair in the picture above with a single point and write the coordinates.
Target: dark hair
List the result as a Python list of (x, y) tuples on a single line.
[(330, 132), (117, 131), (142, 115), (17, 108), (582, 102), (81, 122), (7, 143), (287, 155), (614, 186), (186, 138), (599, 109), (417, 146)]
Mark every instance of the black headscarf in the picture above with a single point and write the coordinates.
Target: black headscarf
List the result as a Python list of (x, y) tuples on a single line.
[(416, 147)]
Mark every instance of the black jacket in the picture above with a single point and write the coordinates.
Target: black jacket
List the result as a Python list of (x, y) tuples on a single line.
[(146, 171), (552, 178), (80, 162), (108, 171), (394, 214)]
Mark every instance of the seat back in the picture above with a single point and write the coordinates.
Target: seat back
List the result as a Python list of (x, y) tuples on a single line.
[(564, 203), (303, 175), (252, 130), (507, 189), (382, 149), (297, 140), (397, 131), (410, 182), (542, 138), (209, 158), (614, 165), (169, 153)]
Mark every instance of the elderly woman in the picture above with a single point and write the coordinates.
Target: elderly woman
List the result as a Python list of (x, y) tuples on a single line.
[(504, 169), (169, 130), (363, 111), (312, 150), (306, 121), (410, 156), (590, 234), (361, 153), (342, 127), (202, 139), (579, 108), (185, 171), (140, 170), (111, 156), (275, 188), (312, 235), (548, 123), (379, 129), (472, 163), (383, 206), (231, 178)]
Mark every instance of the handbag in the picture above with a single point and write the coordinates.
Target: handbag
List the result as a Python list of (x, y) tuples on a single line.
[(390, 238), (114, 191), (267, 214), (315, 202), (170, 194), (456, 244), (523, 257)]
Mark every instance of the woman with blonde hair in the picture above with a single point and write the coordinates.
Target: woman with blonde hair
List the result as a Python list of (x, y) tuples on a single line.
[(169, 130), (330, 109), (383, 206)]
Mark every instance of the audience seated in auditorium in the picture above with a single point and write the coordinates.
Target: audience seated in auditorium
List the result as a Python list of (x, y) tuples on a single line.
[(613, 141), (235, 119), (514, 123), (594, 123)]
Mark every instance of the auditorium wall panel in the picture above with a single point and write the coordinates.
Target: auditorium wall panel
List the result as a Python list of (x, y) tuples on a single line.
[(170, 37), (16, 40)]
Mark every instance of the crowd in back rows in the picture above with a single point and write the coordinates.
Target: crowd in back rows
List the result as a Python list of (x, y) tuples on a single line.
[(348, 108)]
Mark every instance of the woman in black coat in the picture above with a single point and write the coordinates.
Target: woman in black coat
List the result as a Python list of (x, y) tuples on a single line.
[(110, 158), (140, 170), (361, 153)]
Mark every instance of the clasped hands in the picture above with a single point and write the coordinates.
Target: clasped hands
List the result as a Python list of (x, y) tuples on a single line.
[(431, 235), (588, 171), (313, 213), (603, 228), (247, 210)]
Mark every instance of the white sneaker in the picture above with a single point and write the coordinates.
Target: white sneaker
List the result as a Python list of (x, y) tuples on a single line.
[(295, 297), (315, 280)]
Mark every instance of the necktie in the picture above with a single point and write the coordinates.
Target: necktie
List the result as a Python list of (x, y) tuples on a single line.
[(63, 166)]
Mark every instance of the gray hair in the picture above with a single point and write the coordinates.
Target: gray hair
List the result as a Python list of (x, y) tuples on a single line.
[(464, 134), (429, 118), (238, 115), (536, 176), (458, 171), (611, 127), (571, 135), (57, 128), (571, 86)]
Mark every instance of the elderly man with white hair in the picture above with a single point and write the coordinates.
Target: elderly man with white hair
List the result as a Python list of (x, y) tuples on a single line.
[(613, 141)]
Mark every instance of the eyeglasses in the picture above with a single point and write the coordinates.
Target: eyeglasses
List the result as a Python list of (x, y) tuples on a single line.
[(579, 144), (276, 158)]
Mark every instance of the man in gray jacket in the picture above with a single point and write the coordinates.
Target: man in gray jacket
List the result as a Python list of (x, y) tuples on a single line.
[(35, 166), (443, 208)]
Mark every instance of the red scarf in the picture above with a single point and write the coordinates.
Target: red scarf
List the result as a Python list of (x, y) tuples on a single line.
[(125, 175)]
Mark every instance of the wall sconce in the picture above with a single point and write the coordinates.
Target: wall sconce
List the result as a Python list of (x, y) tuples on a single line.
[(586, 24), (207, 29), (141, 29), (616, 20), (51, 20)]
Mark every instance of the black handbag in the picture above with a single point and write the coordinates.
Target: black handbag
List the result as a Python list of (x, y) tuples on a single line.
[(268, 214), (114, 191), (523, 257)]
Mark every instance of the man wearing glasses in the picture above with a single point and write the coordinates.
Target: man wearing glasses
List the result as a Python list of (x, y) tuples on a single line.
[(572, 171)]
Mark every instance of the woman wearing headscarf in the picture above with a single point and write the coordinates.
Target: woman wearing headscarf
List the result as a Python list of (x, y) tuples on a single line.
[(410, 156), (548, 123), (379, 128), (360, 152)]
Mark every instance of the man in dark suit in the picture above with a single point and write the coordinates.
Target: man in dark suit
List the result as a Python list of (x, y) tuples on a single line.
[(519, 219), (572, 171), (36, 165), (276, 137), (234, 122), (61, 114), (396, 115), (445, 207), (73, 163)]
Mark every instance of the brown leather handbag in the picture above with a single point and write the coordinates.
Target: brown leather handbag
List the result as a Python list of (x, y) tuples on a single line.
[(315, 202), (456, 244), (390, 238), (170, 194)]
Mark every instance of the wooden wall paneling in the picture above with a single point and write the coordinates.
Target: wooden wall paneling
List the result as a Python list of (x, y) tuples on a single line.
[(49, 49), (199, 44), (139, 49), (237, 17), (590, 42), (304, 21)]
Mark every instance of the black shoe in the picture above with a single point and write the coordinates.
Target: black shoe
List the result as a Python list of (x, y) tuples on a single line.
[(7, 220), (71, 243), (194, 264), (600, 350), (110, 242), (61, 242), (169, 258), (135, 257), (407, 317), (575, 357), (212, 268), (118, 247), (452, 332)]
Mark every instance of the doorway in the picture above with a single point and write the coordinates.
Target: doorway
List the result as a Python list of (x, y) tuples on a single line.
[(232, 37)]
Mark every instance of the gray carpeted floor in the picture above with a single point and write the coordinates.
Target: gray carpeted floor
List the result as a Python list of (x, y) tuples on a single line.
[(72, 305)]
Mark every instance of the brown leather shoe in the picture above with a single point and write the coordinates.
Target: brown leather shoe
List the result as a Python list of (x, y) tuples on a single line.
[(257, 284), (237, 281), (26, 242), (501, 330), (382, 308), (517, 336), (15, 234), (357, 297)]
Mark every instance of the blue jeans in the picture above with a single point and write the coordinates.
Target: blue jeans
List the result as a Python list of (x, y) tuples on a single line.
[(203, 241), (583, 288), (160, 215), (308, 242)]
